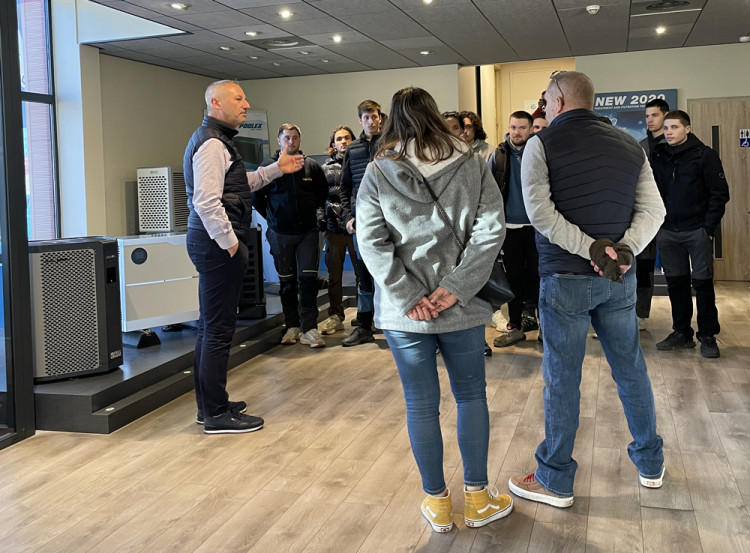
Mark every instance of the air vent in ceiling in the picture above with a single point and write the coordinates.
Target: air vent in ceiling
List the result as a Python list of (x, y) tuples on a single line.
[(280, 42), (666, 5)]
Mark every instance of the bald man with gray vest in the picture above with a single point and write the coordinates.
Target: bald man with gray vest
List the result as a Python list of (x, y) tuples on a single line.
[(591, 196)]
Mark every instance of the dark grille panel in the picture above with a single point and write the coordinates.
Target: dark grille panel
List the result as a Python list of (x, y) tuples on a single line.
[(71, 335)]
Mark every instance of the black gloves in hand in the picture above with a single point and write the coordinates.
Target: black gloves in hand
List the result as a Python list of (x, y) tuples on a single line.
[(610, 267)]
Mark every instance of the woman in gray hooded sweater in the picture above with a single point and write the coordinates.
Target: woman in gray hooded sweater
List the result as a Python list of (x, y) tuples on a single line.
[(426, 286)]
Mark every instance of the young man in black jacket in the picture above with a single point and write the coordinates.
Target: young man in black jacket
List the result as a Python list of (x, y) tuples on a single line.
[(293, 206), (358, 155), (692, 184)]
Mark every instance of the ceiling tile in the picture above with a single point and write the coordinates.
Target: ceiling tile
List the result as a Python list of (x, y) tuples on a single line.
[(337, 8), (313, 26), (196, 6), (219, 20), (325, 39), (264, 31), (383, 26)]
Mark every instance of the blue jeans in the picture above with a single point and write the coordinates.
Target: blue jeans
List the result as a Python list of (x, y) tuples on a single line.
[(567, 304), (416, 361), (365, 291)]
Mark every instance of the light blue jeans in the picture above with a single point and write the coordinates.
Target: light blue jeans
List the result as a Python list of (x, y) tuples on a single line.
[(463, 353), (567, 304)]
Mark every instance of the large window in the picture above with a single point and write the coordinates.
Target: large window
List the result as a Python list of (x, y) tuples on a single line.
[(38, 106)]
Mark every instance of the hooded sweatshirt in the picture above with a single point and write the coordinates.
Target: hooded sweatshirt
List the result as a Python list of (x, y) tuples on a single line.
[(410, 250)]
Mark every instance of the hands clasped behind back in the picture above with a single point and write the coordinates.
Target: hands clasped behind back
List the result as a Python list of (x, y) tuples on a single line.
[(429, 307)]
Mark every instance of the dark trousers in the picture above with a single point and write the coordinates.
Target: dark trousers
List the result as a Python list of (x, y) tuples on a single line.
[(219, 285), (365, 292), (644, 275), (521, 262), (296, 257), (686, 254), (336, 246)]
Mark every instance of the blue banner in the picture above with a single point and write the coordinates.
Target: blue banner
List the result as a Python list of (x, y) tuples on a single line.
[(627, 110)]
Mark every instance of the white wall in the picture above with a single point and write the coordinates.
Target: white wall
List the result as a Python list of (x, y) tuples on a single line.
[(318, 103), (148, 115), (701, 72)]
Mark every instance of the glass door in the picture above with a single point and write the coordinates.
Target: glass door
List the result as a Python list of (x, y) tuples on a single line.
[(16, 385)]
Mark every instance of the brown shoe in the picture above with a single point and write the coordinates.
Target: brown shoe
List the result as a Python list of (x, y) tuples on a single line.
[(528, 488)]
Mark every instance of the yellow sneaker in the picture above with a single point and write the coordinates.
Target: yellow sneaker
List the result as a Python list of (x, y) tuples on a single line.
[(485, 505), (439, 512)]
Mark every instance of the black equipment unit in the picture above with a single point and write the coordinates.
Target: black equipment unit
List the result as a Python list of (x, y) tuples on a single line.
[(252, 296)]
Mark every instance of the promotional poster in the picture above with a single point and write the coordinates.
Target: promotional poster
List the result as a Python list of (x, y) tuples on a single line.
[(627, 109), (252, 139)]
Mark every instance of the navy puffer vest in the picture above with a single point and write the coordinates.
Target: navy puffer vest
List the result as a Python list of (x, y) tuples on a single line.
[(593, 173), (236, 197)]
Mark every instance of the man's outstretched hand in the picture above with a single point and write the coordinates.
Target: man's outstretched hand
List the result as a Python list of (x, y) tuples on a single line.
[(290, 164)]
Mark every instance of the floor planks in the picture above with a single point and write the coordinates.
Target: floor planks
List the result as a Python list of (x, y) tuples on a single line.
[(333, 472)]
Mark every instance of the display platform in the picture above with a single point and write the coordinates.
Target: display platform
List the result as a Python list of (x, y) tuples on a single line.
[(153, 376)]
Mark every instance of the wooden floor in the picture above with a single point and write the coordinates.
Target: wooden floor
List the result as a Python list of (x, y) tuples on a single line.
[(332, 470)]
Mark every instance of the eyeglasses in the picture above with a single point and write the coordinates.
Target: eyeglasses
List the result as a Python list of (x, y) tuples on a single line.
[(553, 78)]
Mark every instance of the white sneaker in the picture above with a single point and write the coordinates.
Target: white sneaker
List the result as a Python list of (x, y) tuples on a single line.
[(313, 339), (499, 321), (332, 324), (291, 336), (653, 482), (641, 324)]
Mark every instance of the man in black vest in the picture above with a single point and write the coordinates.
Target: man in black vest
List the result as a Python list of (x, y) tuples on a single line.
[(219, 198), (692, 183), (591, 196)]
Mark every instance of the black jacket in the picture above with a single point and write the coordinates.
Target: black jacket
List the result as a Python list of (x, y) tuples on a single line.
[(334, 213), (359, 153), (293, 203), (692, 184), (649, 143)]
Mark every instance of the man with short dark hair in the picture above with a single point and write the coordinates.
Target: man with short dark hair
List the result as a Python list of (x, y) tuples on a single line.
[(519, 249), (591, 196), (540, 123), (219, 199), (293, 207), (359, 153), (695, 191), (656, 109)]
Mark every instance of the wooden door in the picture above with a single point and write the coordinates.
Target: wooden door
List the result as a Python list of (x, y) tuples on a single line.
[(717, 123)]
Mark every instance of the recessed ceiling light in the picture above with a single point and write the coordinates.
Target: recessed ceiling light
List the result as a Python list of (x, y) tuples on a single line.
[(276, 64), (324, 60), (745, 38), (660, 30), (336, 38), (285, 13), (253, 57), (252, 33), (426, 52), (179, 6), (225, 48), (304, 52), (427, 1)]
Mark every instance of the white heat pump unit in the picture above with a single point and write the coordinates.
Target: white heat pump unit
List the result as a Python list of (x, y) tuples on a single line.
[(162, 200), (158, 282)]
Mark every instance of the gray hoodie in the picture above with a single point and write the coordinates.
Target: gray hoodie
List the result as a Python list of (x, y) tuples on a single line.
[(409, 249)]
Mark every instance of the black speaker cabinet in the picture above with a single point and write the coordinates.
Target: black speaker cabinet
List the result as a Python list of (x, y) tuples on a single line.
[(253, 297), (75, 301)]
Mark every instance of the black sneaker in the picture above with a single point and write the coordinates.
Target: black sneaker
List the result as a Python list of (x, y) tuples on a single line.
[(709, 349), (358, 336), (234, 406), (676, 340), (487, 350), (232, 423), (529, 323)]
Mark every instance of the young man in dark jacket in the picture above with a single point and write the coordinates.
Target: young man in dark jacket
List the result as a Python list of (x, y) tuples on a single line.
[(358, 155), (293, 207), (692, 184), (519, 249), (337, 238), (656, 109)]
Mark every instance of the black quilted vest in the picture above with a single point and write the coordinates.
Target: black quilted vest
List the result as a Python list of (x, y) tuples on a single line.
[(593, 172), (236, 197)]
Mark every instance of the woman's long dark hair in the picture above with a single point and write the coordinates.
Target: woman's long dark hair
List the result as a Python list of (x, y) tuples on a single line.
[(414, 115)]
